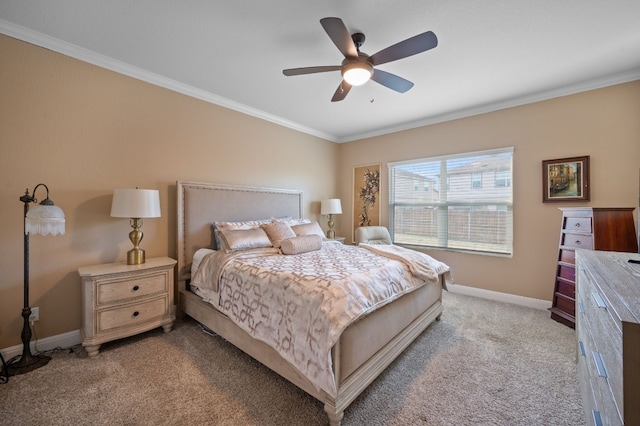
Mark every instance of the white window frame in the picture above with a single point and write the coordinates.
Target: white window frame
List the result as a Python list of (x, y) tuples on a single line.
[(429, 222)]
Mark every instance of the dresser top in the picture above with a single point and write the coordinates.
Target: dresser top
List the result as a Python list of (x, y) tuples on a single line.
[(596, 208), (617, 279)]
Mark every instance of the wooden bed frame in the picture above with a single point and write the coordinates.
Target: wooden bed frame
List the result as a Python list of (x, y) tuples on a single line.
[(365, 348)]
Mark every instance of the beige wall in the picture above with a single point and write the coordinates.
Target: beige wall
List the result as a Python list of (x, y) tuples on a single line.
[(84, 131), (604, 124)]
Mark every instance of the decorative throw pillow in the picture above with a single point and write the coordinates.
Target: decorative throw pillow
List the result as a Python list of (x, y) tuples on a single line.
[(246, 224), (312, 228), (278, 231), (290, 221), (301, 244), (244, 239)]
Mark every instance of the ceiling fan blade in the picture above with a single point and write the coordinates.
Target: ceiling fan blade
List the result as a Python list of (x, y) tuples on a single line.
[(409, 47), (391, 81), (338, 33), (310, 70), (341, 92)]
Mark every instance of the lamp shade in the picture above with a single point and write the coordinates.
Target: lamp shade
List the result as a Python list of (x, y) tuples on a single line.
[(44, 219), (331, 206), (135, 203)]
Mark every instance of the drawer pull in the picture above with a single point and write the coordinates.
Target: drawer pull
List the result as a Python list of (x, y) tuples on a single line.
[(581, 308), (597, 420), (599, 300), (581, 346), (578, 242), (602, 372), (578, 225), (136, 288), (136, 313)]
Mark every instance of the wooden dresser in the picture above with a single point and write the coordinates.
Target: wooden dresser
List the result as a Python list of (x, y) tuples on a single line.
[(608, 331), (610, 229)]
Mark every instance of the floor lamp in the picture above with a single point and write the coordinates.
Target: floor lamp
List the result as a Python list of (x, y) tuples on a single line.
[(43, 219)]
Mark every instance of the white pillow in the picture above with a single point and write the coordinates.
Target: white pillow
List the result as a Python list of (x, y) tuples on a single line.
[(291, 222), (244, 239), (301, 244), (312, 228), (277, 231), (246, 224), (197, 258)]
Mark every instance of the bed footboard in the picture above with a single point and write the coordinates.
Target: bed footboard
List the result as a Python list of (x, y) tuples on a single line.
[(368, 346), (364, 350)]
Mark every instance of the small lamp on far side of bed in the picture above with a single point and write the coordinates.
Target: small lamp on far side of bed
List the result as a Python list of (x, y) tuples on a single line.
[(330, 207), (135, 204)]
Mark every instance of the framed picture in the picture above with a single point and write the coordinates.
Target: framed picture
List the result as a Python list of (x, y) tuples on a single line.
[(565, 179), (366, 194)]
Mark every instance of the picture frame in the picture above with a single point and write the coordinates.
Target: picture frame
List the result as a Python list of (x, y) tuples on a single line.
[(366, 196), (565, 179)]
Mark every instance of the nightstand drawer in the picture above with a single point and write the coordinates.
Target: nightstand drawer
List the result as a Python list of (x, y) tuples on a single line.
[(130, 315), (113, 291)]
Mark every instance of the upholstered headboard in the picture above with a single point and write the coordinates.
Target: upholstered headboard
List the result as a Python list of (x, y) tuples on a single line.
[(200, 204)]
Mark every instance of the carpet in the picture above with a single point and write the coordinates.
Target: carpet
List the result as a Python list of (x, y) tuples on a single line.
[(484, 363)]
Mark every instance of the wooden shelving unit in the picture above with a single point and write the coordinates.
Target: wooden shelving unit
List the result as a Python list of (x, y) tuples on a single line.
[(609, 229)]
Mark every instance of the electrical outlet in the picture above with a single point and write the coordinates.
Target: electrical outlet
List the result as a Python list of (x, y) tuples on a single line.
[(35, 314)]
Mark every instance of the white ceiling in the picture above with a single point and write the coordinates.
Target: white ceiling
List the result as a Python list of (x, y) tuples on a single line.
[(491, 54)]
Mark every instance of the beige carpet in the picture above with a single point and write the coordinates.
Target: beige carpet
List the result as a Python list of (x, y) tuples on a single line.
[(484, 363)]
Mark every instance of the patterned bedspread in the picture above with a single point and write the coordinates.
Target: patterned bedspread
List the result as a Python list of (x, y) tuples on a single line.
[(300, 304)]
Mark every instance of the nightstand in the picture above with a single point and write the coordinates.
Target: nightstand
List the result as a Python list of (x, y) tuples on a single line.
[(120, 300), (339, 239)]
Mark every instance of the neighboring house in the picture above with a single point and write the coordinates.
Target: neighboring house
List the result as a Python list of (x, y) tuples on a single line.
[(488, 179), (419, 189), (473, 210)]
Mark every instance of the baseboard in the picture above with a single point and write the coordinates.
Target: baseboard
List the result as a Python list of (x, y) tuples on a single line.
[(64, 340), (500, 297), (73, 338)]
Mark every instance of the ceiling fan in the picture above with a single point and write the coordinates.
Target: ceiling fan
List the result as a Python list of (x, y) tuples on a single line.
[(358, 67)]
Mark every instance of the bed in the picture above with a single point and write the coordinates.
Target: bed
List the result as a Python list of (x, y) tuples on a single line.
[(361, 350)]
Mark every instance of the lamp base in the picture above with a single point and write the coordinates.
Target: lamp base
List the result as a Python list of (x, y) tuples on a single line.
[(135, 256), (27, 364)]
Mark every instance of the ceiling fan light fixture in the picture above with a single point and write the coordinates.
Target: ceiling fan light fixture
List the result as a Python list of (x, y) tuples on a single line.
[(357, 73)]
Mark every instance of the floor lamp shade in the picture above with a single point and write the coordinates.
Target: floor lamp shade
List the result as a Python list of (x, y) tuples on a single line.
[(44, 219), (135, 204)]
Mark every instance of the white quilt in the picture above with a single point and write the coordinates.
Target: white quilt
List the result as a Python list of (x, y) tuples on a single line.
[(300, 304)]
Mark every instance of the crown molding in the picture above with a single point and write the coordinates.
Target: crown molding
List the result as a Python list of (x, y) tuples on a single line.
[(106, 62), (85, 55), (510, 103)]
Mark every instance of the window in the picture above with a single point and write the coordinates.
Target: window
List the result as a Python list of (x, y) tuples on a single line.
[(468, 207), (476, 180), (503, 178)]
